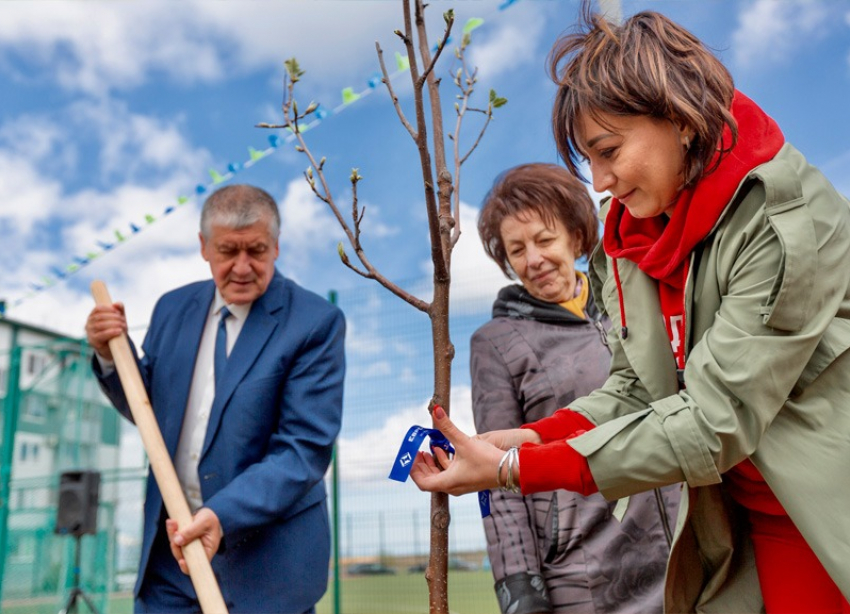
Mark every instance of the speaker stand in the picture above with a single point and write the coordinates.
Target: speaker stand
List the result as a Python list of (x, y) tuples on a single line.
[(77, 592)]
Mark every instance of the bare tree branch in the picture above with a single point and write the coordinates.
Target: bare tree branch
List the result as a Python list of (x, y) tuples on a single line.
[(386, 80), (441, 270), (354, 235), (450, 20), (441, 235)]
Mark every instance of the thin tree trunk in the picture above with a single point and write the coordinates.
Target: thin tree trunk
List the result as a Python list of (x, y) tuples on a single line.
[(437, 573)]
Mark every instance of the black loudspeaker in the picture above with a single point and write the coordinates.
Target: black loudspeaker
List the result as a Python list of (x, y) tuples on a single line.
[(76, 513)]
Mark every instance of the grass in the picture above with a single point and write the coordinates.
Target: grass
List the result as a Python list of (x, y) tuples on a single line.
[(470, 592)]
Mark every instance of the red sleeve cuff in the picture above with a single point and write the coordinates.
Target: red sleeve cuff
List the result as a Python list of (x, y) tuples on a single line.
[(560, 425), (553, 466)]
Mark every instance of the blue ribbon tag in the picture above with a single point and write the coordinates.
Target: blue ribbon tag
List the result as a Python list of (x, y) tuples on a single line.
[(410, 446)]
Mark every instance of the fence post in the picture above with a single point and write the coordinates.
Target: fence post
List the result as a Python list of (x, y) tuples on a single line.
[(337, 584), (10, 425)]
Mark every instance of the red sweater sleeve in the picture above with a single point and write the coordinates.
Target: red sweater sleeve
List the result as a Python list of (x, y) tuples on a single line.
[(560, 425), (544, 467)]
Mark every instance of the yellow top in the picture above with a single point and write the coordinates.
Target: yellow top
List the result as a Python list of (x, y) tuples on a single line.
[(577, 304)]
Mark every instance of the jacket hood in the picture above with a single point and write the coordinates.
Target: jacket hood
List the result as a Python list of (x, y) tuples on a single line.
[(514, 301)]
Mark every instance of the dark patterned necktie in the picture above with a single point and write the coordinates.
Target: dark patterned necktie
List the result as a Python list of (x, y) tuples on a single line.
[(221, 346)]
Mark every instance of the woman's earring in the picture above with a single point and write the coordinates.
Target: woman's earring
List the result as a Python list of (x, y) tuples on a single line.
[(687, 143)]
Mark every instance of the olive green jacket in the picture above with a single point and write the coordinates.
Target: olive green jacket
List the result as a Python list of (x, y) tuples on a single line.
[(767, 313)]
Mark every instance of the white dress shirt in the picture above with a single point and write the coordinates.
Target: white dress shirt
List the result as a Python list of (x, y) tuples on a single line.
[(201, 395)]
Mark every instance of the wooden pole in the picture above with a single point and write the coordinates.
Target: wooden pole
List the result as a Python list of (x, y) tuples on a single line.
[(200, 570)]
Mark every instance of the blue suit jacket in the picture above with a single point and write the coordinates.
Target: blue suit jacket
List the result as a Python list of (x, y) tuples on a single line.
[(269, 441)]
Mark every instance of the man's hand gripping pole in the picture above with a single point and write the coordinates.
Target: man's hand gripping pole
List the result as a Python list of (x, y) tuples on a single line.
[(200, 570)]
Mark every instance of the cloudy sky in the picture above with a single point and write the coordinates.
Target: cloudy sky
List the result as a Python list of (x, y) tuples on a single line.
[(114, 113)]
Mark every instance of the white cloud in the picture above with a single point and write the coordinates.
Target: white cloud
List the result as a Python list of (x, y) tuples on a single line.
[(771, 32), (475, 278), (27, 197), (308, 228), (191, 40)]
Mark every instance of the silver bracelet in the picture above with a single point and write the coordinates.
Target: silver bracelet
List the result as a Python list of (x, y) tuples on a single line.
[(499, 470), (512, 457)]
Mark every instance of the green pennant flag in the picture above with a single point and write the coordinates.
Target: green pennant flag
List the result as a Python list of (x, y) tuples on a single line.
[(182, 200), (72, 268), (216, 177), (402, 61), (150, 219), (255, 155), (119, 236), (349, 96), (473, 23), (92, 255)]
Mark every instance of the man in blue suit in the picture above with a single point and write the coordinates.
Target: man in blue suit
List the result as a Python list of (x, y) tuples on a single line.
[(249, 414)]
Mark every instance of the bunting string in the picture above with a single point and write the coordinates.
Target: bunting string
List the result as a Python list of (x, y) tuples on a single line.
[(122, 234)]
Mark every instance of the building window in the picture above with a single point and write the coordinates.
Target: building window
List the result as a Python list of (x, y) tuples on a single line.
[(24, 451), (34, 407), (35, 363)]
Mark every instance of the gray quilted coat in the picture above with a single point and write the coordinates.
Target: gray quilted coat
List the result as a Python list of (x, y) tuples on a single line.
[(559, 551)]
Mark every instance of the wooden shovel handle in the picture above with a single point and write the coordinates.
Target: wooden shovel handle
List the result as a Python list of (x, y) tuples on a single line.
[(200, 570)]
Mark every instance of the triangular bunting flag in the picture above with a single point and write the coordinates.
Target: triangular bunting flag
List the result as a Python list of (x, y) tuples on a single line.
[(402, 61), (349, 96), (472, 24)]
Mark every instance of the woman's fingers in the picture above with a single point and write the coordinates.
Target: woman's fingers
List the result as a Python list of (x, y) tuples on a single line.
[(447, 428)]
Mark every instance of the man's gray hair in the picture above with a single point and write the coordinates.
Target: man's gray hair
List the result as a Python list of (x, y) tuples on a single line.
[(239, 206)]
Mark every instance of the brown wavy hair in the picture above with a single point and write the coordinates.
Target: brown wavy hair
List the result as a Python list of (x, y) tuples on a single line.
[(549, 190), (647, 66)]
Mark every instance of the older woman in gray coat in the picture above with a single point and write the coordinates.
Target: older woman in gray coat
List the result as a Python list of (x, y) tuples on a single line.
[(555, 551)]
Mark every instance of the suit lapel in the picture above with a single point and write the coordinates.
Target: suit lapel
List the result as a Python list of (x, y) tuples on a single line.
[(184, 357), (255, 335)]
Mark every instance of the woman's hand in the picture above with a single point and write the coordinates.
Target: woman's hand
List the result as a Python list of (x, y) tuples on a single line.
[(473, 467), (510, 438)]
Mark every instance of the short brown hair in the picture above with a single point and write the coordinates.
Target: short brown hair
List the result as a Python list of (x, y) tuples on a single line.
[(546, 189), (648, 66)]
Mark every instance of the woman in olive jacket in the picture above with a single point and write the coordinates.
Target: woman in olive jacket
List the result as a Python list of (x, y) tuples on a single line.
[(724, 272)]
